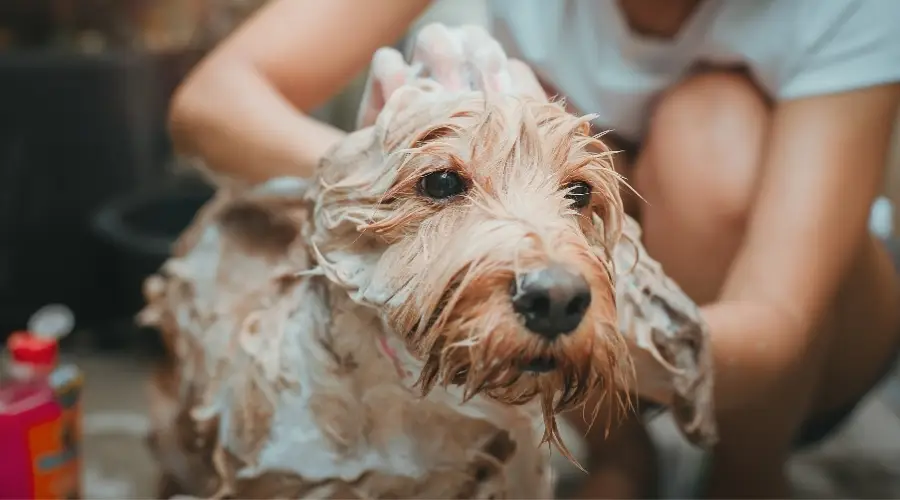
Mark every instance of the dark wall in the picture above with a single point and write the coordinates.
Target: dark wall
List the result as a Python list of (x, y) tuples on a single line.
[(75, 131)]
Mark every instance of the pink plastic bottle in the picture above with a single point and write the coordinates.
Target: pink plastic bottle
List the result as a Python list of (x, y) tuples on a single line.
[(40, 416)]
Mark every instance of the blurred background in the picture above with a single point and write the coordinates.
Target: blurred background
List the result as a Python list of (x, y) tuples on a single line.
[(91, 196)]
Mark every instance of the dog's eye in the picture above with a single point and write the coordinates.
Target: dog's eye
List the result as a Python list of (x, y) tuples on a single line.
[(580, 194), (442, 185)]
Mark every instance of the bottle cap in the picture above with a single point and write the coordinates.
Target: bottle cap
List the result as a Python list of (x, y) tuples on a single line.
[(28, 349), (52, 321)]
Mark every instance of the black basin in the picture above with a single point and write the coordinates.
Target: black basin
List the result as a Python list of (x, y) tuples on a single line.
[(139, 230)]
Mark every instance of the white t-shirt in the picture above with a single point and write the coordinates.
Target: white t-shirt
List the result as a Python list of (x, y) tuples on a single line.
[(793, 48)]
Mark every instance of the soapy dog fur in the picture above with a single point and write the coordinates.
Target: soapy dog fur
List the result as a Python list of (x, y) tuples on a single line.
[(412, 321)]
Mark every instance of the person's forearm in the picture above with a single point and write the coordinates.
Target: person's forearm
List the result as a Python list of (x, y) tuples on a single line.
[(243, 128)]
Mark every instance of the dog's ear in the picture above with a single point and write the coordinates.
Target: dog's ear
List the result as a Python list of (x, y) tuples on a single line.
[(667, 337), (268, 218)]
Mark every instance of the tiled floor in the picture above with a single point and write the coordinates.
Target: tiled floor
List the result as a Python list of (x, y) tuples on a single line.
[(861, 461)]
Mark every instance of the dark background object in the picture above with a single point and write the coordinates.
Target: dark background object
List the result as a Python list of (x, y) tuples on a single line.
[(76, 130), (138, 230), (39, 23)]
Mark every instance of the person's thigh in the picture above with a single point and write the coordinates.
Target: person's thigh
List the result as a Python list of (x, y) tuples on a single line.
[(622, 460), (865, 346), (698, 171), (867, 338)]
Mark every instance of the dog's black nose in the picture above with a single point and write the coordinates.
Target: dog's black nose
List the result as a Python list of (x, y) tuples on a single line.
[(551, 300)]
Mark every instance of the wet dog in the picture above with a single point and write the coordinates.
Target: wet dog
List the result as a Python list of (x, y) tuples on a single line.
[(412, 321)]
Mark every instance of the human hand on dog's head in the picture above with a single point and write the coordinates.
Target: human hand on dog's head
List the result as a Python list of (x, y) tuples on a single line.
[(455, 59)]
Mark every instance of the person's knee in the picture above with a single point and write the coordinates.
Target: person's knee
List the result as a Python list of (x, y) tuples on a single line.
[(704, 148)]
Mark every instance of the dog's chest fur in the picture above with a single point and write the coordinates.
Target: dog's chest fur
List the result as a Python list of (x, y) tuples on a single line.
[(369, 422)]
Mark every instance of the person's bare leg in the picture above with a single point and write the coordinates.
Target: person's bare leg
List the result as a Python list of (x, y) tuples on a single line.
[(699, 172), (856, 344), (624, 465), (868, 329), (621, 465)]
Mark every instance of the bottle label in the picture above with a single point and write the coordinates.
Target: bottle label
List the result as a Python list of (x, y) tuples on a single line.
[(55, 444)]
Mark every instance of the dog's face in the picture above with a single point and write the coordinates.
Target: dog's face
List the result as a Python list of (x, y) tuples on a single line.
[(482, 229)]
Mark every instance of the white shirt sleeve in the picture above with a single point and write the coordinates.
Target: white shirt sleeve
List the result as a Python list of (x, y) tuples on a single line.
[(842, 46)]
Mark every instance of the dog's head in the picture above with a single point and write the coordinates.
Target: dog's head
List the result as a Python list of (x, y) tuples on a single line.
[(481, 227)]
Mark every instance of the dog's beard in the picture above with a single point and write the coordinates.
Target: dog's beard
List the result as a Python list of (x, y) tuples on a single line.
[(467, 334)]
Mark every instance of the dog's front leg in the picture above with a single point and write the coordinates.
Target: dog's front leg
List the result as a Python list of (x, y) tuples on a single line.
[(668, 339)]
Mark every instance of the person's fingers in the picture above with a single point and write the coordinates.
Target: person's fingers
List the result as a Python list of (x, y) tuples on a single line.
[(524, 81), (370, 104), (391, 70), (454, 59), (441, 54), (387, 73), (397, 121), (486, 59)]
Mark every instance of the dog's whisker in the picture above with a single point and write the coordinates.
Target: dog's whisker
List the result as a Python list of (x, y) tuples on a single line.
[(467, 343)]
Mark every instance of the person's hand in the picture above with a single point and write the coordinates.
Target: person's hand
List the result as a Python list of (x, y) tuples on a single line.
[(460, 59)]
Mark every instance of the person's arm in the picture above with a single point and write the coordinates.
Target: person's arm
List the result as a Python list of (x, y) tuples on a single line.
[(823, 169), (242, 109)]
